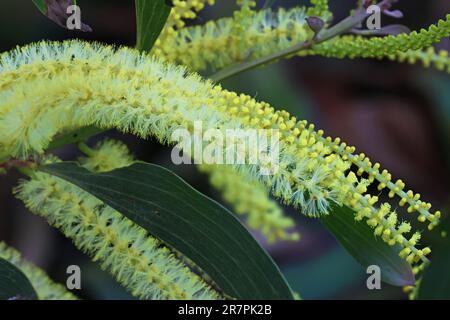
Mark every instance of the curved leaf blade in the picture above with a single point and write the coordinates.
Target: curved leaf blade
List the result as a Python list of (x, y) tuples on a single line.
[(358, 239), (14, 285), (195, 225), (151, 16)]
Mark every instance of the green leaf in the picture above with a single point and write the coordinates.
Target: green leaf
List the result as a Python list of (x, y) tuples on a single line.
[(151, 16), (435, 284), (40, 4), (358, 239), (14, 285), (200, 228), (75, 136), (268, 4)]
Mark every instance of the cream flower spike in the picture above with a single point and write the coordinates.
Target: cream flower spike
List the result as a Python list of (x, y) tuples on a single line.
[(182, 10)]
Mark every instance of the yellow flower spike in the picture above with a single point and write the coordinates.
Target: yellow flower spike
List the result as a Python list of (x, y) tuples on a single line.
[(320, 8), (29, 116), (408, 289), (45, 288), (421, 218), (379, 230)]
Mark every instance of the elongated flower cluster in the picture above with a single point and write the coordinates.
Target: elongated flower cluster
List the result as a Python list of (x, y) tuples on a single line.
[(250, 198), (49, 87), (45, 288), (138, 261), (217, 44), (106, 156)]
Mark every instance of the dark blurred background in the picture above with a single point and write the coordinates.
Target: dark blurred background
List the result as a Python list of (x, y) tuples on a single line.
[(396, 113)]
